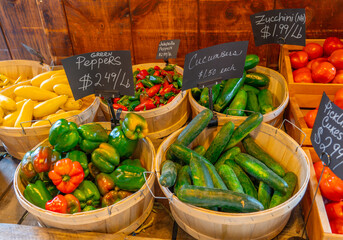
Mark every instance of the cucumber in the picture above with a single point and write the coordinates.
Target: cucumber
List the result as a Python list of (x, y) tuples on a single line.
[(239, 103), (200, 174), (252, 102), (230, 179), (168, 174), (260, 171), (249, 88), (264, 194), (257, 79), (229, 154), (216, 91), (230, 89), (243, 178), (265, 100), (219, 142), (204, 98), (251, 61), (256, 151), (196, 92), (208, 197), (184, 153), (200, 150), (278, 197), (216, 179), (249, 124), (183, 178)]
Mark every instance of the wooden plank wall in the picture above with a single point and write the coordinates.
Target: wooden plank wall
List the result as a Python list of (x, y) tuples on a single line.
[(61, 28)]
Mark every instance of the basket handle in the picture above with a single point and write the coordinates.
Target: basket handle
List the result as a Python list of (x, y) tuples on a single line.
[(22, 127), (152, 194), (286, 120)]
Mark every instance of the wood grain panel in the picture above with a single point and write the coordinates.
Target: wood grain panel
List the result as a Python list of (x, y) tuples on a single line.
[(56, 28), (7, 169), (153, 21), (21, 24), (98, 25), (4, 52)]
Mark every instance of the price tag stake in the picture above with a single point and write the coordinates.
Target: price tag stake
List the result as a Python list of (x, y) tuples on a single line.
[(168, 49)]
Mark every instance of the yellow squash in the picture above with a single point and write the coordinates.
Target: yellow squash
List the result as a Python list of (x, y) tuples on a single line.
[(63, 89), (37, 80), (25, 115), (34, 93), (49, 106), (1, 115), (71, 104), (8, 92), (51, 82), (9, 119), (54, 117), (7, 103)]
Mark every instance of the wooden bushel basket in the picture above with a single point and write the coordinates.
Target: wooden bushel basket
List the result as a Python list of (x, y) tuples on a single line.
[(277, 86), (122, 218), (164, 120), (207, 224)]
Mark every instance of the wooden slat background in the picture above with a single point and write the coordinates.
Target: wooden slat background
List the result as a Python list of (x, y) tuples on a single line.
[(61, 28)]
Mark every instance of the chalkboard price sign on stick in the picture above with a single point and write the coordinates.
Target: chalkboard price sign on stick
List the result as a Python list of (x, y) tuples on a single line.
[(327, 134), (110, 70), (282, 26), (168, 49), (220, 61)]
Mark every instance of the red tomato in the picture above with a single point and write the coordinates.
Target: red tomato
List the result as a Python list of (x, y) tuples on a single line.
[(339, 77), (302, 75), (315, 62), (336, 58), (310, 117), (338, 99), (314, 50), (324, 73), (298, 59), (331, 44)]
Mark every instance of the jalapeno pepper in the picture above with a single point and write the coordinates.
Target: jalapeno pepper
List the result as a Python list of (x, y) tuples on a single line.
[(117, 106), (133, 105), (154, 90), (169, 67), (151, 71), (175, 85), (179, 81), (134, 98), (147, 83), (168, 95), (155, 79)]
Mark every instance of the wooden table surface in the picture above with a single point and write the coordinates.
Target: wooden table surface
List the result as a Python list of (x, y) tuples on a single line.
[(17, 223)]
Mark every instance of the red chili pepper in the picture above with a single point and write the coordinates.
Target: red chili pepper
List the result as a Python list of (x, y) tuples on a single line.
[(140, 76), (165, 83), (117, 106), (153, 90), (164, 72), (115, 100), (176, 91), (144, 73), (171, 99), (143, 97), (167, 89), (157, 73), (161, 105), (145, 105), (157, 68), (171, 72), (139, 85), (156, 100)]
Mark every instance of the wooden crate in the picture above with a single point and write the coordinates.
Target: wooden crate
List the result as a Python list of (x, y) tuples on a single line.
[(302, 89), (318, 226)]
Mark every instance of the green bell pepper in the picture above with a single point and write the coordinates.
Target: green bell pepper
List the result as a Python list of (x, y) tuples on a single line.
[(109, 199), (63, 135), (92, 134), (105, 158), (88, 194), (104, 182), (124, 146), (37, 194), (128, 177), (134, 162), (134, 126), (27, 172), (88, 208), (55, 156), (80, 157)]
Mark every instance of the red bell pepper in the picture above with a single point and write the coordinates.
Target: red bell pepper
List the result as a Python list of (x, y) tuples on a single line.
[(115, 100), (147, 105), (154, 90), (336, 226), (73, 204), (330, 186), (139, 85), (67, 175), (117, 106), (57, 204), (41, 159), (167, 89), (334, 210), (171, 99), (157, 68)]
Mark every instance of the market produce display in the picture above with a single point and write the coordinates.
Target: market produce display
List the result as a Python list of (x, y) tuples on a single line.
[(319, 64), (223, 177), (85, 168), (154, 87), (233, 96), (45, 97)]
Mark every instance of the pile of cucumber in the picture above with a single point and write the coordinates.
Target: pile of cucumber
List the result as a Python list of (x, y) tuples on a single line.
[(222, 177), (235, 95)]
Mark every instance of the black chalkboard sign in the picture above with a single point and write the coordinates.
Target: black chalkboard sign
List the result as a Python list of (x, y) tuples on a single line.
[(168, 49), (327, 134), (282, 26), (220, 61), (110, 70)]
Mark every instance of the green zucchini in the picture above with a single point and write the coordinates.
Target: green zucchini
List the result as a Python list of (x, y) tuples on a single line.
[(257, 79), (204, 98), (200, 149), (216, 179), (229, 154), (168, 174), (209, 197), (196, 92), (249, 88), (230, 179), (249, 124), (256, 151), (279, 197), (251, 61), (252, 102), (264, 194), (243, 178), (184, 153), (260, 171), (219, 142), (229, 91), (238, 104), (183, 178), (200, 174), (265, 100)]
